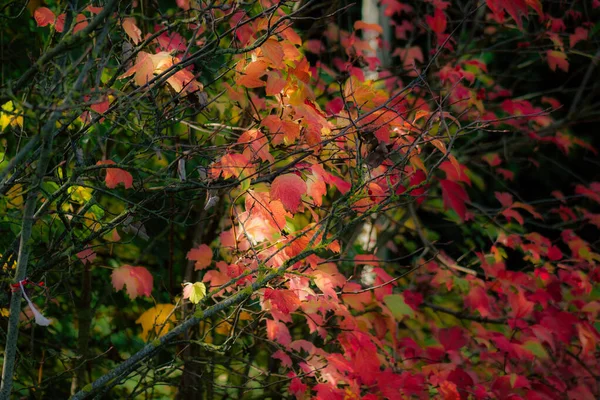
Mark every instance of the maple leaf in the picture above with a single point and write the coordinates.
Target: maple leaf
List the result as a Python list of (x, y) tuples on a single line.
[(156, 320), (80, 23), (398, 306), (521, 307), (183, 4), (506, 199), (147, 65), (250, 77), (202, 255), (288, 188), (278, 331), (449, 391), (232, 165), (43, 16), (139, 280), (557, 59), (579, 35), (115, 176), (275, 83), (452, 338), (454, 197), (194, 291), (437, 22), (219, 276), (515, 8), (86, 255), (273, 51), (281, 302), (132, 30), (286, 361)]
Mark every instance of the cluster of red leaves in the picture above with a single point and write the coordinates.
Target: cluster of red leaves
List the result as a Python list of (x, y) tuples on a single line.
[(513, 334)]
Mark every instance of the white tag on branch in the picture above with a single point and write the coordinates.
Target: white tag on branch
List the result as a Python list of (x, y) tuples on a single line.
[(39, 317), (211, 199), (181, 169)]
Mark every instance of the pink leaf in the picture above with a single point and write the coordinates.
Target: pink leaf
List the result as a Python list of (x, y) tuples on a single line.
[(202, 255), (86, 256), (138, 280)]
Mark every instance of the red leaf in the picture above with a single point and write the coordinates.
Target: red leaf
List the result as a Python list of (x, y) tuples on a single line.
[(515, 8), (138, 280), (514, 214), (521, 307), (284, 301), (202, 255), (478, 299), (43, 16), (554, 253), (452, 338), (579, 35), (437, 22), (114, 176), (454, 197), (288, 188), (506, 199)]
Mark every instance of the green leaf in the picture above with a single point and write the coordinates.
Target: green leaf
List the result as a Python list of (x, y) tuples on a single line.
[(398, 307), (536, 348)]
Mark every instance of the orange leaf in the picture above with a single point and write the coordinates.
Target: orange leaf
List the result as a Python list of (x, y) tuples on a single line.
[(43, 16), (202, 255), (81, 22), (367, 27), (275, 83), (138, 280), (273, 51), (132, 30), (250, 78), (232, 165), (557, 59), (114, 176), (288, 188)]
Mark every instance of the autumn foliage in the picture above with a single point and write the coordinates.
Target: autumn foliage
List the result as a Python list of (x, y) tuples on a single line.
[(279, 199)]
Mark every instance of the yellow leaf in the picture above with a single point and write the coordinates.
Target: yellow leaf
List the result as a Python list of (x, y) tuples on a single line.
[(80, 194), (194, 292), (156, 320), (15, 197), (8, 117)]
